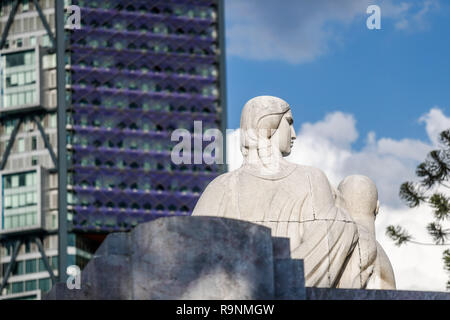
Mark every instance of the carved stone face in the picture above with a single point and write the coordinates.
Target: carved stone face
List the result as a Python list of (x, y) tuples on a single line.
[(285, 135)]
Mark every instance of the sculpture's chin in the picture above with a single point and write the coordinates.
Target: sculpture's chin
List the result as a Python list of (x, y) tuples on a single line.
[(286, 153)]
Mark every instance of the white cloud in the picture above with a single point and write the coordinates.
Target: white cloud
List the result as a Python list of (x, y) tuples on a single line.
[(415, 20), (416, 267), (338, 128), (299, 31), (327, 144), (435, 122)]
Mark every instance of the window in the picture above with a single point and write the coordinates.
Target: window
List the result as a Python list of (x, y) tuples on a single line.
[(4, 268), (54, 262), (20, 98), (45, 41), (42, 265), (29, 77), (21, 145), (7, 182), (25, 6), (32, 41), (31, 198), (49, 61), (30, 266), (30, 285), (33, 143), (22, 180), (14, 181), (8, 202), (17, 287), (20, 59), (53, 120), (19, 74), (13, 99), (19, 197), (18, 268), (15, 201), (44, 284), (30, 178), (20, 78), (22, 200), (34, 160), (10, 124)]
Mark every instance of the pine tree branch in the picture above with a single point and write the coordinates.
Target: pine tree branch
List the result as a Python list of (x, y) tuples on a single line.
[(429, 244)]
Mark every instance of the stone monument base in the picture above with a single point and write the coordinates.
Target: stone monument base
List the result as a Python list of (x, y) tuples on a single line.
[(203, 258)]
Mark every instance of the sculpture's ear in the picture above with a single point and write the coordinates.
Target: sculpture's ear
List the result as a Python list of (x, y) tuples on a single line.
[(377, 208)]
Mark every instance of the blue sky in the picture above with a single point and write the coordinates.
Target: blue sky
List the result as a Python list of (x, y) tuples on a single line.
[(368, 102), (386, 78)]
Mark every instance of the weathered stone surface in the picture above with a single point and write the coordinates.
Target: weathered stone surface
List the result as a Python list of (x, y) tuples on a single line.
[(281, 248), (201, 258), (288, 273), (107, 278), (369, 266), (181, 258), (289, 280), (118, 244)]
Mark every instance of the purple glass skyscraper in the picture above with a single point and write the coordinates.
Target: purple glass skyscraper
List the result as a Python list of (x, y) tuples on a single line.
[(90, 94), (139, 70)]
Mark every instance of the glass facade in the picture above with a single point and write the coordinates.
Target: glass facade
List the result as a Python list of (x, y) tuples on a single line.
[(19, 79), (19, 200), (139, 70), (29, 285), (27, 267)]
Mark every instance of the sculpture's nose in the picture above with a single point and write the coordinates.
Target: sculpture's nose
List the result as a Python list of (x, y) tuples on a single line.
[(293, 135)]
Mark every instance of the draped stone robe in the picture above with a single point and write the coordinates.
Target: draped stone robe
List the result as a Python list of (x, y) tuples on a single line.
[(297, 203)]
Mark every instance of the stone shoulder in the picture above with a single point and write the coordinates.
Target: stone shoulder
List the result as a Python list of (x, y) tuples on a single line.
[(222, 180), (314, 173)]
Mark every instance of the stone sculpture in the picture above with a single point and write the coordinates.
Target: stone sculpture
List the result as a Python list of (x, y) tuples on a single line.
[(294, 201), (369, 266)]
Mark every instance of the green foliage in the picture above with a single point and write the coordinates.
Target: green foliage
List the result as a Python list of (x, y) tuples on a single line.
[(441, 205), (411, 194), (434, 170), (434, 173), (440, 236), (398, 234), (444, 138)]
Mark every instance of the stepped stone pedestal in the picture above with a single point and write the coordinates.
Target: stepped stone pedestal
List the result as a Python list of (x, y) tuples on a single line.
[(190, 258), (203, 258)]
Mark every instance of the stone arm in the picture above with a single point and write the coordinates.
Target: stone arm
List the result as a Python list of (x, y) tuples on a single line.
[(383, 277), (328, 234)]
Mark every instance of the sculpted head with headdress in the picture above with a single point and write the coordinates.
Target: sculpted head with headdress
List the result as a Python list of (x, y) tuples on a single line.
[(267, 132)]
